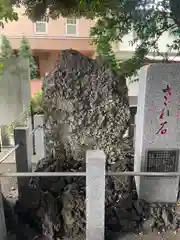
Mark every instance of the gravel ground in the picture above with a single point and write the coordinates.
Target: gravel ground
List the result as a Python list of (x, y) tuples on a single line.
[(9, 183), (9, 166)]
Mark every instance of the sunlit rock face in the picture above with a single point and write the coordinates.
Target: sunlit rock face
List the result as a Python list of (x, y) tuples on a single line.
[(86, 107)]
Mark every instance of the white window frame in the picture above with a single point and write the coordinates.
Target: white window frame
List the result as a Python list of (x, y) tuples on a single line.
[(77, 23), (46, 24)]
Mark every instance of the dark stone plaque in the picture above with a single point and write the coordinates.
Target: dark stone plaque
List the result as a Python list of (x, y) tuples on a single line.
[(162, 160)]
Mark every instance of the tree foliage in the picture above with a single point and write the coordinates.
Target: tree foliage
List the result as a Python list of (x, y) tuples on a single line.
[(7, 13), (25, 52), (36, 102), (6, 50), (37, 9), (148, 19)]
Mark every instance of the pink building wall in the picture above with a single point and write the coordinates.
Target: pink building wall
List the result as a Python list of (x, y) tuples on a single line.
[(47, 46), (56, 28), (47, 61)]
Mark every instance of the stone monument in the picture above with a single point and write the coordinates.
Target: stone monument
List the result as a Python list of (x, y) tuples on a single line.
[(15, 93), (158, 132)]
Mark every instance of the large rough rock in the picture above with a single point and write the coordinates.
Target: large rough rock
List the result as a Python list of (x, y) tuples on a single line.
[(85, 104), (85, 107)]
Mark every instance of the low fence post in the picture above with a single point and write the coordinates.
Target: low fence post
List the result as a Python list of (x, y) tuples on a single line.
[(33, 136), (23, 154), (39, 136), (3, 232), (95, 194)]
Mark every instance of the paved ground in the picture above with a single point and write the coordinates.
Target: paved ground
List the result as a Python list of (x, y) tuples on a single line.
[(7, 183), (11, 158), (10, 183)]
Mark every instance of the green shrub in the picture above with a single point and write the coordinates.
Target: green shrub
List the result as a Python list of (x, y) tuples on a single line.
[(36, 102), (26, 52)]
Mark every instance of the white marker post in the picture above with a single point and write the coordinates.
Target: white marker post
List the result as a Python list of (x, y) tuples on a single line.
[(95, 194)]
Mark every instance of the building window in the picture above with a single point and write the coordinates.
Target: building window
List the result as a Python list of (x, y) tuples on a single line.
[(40, 27), (71, 26)]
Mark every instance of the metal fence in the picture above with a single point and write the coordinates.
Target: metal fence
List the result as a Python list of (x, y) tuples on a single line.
[(95, 180)]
